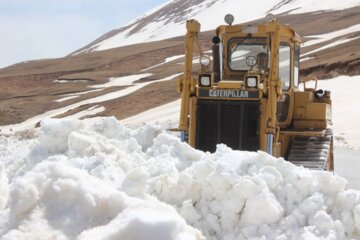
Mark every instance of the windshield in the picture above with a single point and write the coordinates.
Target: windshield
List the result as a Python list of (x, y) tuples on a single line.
[(248, 53)]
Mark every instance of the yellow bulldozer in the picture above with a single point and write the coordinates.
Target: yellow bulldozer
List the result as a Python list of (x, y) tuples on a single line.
[(247, 95)]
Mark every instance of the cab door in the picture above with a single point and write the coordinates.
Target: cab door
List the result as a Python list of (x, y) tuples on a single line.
[(286, 74)]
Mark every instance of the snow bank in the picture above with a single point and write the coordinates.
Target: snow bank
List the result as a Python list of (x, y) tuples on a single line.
[(102, 180)]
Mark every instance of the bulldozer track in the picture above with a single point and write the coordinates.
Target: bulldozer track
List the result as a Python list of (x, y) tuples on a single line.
[(312, 152)]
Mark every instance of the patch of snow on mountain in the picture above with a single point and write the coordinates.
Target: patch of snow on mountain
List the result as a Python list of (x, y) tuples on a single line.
[(101, 180), (333, 44), (169, 59), (65, 98), (75, 95), (329, 36), (304, 6), (121, 81), (72, 81), (87, 112)]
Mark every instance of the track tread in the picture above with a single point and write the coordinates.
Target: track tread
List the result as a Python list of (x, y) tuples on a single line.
[(310, 152)]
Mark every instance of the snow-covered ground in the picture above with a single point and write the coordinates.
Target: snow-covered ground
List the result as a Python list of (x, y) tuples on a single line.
[(347, 165), (97, 179), (346, 109)]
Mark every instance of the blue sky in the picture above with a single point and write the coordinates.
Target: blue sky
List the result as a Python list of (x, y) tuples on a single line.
[(35, 29)]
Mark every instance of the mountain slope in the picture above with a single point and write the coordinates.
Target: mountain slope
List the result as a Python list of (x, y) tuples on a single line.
[(169, 20)]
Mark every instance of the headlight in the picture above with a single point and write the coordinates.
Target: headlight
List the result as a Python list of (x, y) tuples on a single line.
[(205, 61), (205, 81), (251, 82), (229, 19)]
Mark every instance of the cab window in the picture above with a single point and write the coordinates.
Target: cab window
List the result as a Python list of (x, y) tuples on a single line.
[(284, 65), (296, 65), (247, 53)]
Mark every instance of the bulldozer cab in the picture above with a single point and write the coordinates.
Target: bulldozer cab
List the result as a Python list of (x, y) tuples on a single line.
[(248, 98)]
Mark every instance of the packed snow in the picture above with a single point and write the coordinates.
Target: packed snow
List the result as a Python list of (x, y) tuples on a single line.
[(97, 179)]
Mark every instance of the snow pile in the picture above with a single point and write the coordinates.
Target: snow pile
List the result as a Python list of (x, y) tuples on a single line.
[(100, 180), (76, 183)]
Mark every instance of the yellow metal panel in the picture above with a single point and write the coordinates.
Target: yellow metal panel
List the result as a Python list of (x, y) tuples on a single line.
[(303, 98), (300, 112), (262, 132), (311, 124), (303, 133), (285, 141), (193, 26), (193, 120), (317, 111), (277, 149), (230, 84)]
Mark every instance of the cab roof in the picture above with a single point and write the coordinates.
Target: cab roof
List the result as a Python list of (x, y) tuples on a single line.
[(258, 30)]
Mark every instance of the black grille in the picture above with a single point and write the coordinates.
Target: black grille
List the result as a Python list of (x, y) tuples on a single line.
[(234, 123)]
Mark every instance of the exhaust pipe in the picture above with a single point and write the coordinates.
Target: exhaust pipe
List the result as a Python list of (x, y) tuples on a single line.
[(216, 51)]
